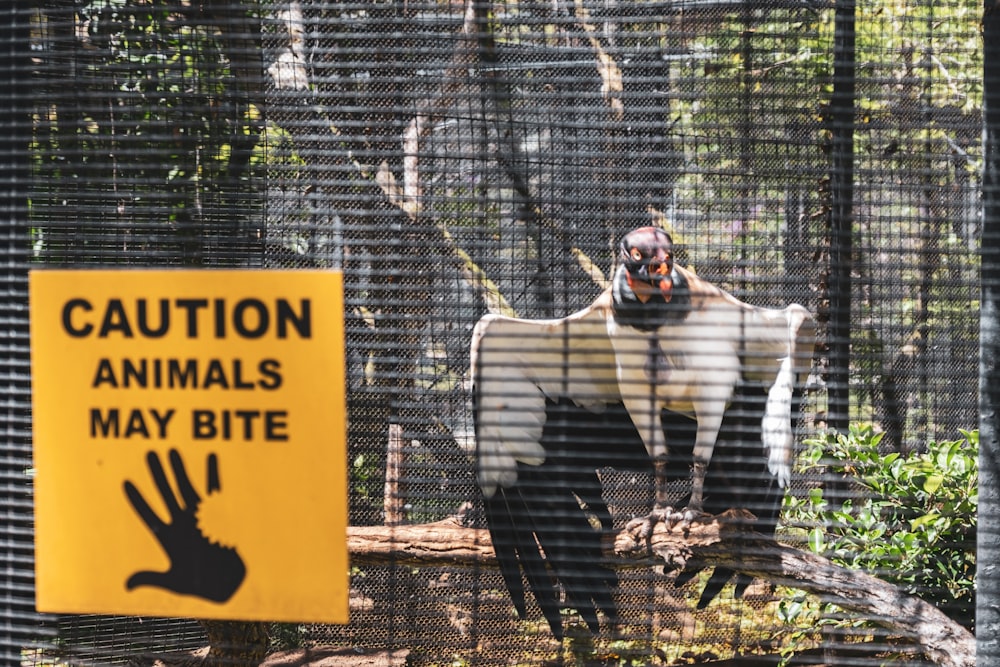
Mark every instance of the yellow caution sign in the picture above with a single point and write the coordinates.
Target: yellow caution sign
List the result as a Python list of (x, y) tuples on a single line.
[(189, 443)]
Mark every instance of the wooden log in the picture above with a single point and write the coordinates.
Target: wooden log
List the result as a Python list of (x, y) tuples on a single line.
[(444, 543), (726, 540), (941, 639)]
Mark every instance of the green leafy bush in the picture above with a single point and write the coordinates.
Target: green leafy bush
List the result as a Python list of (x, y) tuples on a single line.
[(907, 518)]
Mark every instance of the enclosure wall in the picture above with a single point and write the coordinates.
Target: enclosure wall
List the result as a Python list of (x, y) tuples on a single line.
[(481, 163)]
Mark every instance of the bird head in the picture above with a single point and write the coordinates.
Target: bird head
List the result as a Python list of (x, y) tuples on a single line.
[(646, 255)]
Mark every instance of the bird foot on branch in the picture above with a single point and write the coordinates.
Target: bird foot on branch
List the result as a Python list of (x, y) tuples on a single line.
[(642, 527)]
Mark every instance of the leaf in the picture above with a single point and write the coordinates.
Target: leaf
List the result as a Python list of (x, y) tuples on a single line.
[(817, 540), (933, 482)]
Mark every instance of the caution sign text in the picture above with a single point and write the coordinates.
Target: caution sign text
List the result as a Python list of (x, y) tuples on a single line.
[(189, 435)]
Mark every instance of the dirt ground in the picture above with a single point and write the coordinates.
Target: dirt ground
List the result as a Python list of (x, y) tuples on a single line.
[(314, 657)]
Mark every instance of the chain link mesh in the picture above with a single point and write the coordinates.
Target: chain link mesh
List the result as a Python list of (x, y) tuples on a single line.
[(458, 159)]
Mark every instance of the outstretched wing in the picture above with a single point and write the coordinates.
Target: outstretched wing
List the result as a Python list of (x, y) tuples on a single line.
[(542, 391), (752, 464), (785, 392), (518, 364)]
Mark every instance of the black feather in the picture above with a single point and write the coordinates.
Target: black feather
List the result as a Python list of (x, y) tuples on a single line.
[(542, 525), (738, 478), (511, 521)]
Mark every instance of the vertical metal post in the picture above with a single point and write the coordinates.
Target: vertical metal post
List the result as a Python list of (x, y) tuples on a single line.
[(988, 528), (19, 624), (842, 104)]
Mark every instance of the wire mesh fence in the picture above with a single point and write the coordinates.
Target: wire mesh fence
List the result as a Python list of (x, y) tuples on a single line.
[(463, 159)]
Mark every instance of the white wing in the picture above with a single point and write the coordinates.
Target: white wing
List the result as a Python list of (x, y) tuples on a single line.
[(516, 365), (796, 351)]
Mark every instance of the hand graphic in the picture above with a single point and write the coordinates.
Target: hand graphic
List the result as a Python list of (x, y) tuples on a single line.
[(197, 566)]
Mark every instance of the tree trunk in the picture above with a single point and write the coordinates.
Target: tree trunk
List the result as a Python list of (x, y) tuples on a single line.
[(841, 125), (235, 643)]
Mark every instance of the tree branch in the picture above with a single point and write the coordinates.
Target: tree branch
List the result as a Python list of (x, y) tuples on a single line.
[(724, 541), (941, 639), (432, 544)]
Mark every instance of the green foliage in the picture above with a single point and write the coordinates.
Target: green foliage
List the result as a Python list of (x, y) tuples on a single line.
[(367, 486), (908, 518), (166, 79), (287, 636), (154, 125)]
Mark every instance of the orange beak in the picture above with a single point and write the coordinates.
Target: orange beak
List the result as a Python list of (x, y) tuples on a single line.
[(645, 290), (666, 288)]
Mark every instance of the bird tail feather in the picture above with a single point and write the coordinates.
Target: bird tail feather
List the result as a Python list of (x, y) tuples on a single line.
[(513, 535)]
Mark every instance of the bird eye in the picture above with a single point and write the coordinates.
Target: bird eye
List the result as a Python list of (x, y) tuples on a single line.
[(636, 254)]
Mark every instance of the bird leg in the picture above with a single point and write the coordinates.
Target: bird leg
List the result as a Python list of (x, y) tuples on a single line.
[(694, 507), (709, 410), (642, 527)]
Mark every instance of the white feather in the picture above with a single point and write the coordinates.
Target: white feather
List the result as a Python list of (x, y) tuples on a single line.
[(516, 365), (776, 425), (589, 359)]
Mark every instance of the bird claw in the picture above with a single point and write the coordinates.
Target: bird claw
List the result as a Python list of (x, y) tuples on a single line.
[(642, 528)]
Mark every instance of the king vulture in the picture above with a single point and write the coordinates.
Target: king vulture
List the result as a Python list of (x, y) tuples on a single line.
[(556, 401)]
